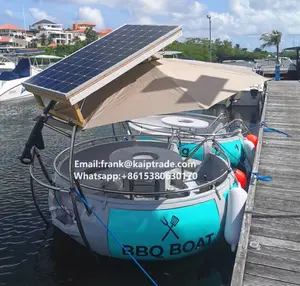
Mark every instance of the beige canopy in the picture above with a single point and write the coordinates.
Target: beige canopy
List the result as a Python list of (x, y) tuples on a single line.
[(160, 87)]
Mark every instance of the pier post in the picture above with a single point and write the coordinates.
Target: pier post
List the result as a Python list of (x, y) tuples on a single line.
[(277, 72)]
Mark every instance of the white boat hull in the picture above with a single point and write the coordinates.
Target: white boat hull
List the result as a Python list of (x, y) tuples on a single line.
[(245, 99), (13, 89), (143, 224)]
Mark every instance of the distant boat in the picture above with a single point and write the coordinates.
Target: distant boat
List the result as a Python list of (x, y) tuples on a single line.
[(172, 54), (11, 87), (266, 67), (6, 64)]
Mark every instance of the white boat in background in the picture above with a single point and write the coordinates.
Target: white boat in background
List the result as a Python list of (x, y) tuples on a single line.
[(252, 96), (11, 87), (43, 61), (6, 64)]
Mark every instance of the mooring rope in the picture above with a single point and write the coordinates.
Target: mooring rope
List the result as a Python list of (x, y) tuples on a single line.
[(73, 190), (268, 129)]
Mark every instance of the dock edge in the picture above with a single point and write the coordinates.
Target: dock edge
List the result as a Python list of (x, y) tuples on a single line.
[(241, 255)]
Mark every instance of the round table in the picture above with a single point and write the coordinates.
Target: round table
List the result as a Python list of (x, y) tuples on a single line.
[(185, 122), (163, 159)]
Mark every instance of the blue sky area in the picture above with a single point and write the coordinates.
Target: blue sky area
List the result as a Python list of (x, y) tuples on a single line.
[(241, 21)]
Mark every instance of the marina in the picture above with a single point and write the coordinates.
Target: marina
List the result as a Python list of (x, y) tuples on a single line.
[(31, 250), (150, 195), (268, 251), (160, 209), (141, 156)]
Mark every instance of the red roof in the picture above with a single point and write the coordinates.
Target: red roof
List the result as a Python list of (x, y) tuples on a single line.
[(77, 31), (5, 40), (104, 32), (11, 27), (53, 45), (86, 24)]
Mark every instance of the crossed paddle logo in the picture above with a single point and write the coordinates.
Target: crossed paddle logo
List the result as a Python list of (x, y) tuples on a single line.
[(174, 221)]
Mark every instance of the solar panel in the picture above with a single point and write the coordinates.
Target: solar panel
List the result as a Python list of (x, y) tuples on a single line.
[(100, 57)]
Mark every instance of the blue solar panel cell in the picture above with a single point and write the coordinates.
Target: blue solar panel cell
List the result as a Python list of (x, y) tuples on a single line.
[(96, 58)]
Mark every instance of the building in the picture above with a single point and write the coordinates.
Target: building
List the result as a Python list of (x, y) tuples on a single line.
[(104, 32), (13, 36), (78, 32), (58, 35), (50, 30), (83, 26)]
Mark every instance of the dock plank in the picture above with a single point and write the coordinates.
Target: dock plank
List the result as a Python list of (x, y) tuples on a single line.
[(253, 280), (269, 247), (287, 276)]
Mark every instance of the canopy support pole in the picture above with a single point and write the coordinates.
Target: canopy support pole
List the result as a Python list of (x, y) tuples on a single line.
[(72, 187)]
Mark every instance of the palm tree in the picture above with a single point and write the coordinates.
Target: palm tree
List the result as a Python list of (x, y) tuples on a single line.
[(272, 39)]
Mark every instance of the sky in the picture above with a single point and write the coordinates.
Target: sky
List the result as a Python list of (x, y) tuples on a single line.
[(240, 21)]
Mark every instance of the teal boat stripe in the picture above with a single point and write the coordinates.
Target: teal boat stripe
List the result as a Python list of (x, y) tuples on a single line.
[(164, 234)]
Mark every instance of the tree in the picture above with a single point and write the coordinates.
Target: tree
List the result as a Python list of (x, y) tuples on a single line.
[(50, 40), (257, 50), (90, 35), (237, 47), (76, 39), (273, 39), (43, 39), (33, 43)]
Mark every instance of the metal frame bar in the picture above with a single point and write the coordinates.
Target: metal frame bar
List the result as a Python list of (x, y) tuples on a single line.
[(72, 187), (71, 169)]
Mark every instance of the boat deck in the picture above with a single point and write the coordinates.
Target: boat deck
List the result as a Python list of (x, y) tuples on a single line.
[(269, 247)]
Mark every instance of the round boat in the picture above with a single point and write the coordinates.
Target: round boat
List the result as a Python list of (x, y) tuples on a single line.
[(166, 218), (190, 130)]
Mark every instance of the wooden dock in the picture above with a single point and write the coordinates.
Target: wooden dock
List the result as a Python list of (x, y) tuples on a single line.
[(269, 249)]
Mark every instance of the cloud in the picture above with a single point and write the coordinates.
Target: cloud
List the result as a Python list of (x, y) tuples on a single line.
[(9, 13), (246, 18), (145, 20), (40, 15), (91, 15)]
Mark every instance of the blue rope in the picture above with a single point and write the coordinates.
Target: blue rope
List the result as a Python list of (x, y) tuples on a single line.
[(115, 238), (257, 176), (267, 128), (262, 178)]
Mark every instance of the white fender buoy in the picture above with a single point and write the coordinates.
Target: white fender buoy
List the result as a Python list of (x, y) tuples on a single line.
[(234, 217), (249, 150)]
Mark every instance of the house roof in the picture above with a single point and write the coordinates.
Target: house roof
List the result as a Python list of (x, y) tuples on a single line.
[(87, 24), (11, 27), (53, 45), (5, 40), (77, 31), (44, 21), (104, 32)]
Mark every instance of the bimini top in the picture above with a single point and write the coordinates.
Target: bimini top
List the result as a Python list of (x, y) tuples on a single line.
[(130, 83)]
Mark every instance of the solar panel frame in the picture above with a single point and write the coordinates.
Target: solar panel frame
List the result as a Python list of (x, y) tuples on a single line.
[(137, 57)]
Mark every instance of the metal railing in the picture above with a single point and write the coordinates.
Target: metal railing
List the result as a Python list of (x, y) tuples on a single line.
[(111, 191)]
